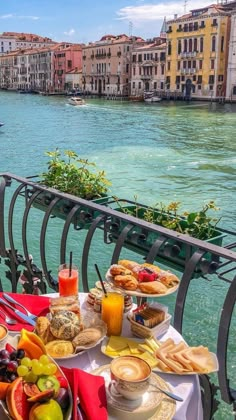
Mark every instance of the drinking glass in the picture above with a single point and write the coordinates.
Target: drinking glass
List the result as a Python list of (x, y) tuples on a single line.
[(68, 280), (112, 312)]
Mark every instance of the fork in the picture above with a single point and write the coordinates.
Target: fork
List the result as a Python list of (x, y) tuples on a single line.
[(11, 300)]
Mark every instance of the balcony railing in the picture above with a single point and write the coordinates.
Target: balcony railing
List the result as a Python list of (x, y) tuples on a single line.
[(98, 233)]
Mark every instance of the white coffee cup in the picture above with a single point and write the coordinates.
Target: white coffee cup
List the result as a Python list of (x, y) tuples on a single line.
[(130, 377)]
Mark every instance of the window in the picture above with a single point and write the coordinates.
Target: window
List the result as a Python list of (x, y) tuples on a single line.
[(200, 64), (199, 87), (214, 23), (169, 48), (211, 87), (234, 90), (134, 58), (190, 45), (162, 86), (184, 64), (222, 44), (145, 57), (195, 26), (155, 70), (213, 44), (185, 27), (140, 71), (177, 79), (162, 69), (178, 65), (182, 78), (195, 44), (134, 70), (69, 63), (155, 85), (127, 68), (212, 64), (168, 65), (156, 57), (139, 85), (167, 80), (194, 78), (179, 47), (140, 58), (201, 44), (133, 85), (185, 45), (211, 79), (189, 64), (220, 78), (194, 64)]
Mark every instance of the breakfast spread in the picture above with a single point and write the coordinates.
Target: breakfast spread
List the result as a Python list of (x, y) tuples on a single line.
[(142, 278)]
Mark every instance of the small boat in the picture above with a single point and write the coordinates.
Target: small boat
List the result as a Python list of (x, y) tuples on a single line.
[(151, 97), (1, 124), (76, 100)]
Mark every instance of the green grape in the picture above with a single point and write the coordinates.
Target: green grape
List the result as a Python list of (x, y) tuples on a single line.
[(37, 369), (52, 368), (22, 370), (44, 359), (34, 362), (31, 377), (46, 370), (26, 361)]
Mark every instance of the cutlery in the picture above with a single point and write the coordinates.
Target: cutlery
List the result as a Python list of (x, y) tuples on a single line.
[(168, 393), (8, 320), (11, 300), (20, 314)]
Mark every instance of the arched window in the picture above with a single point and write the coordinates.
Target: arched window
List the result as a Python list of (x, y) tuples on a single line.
[(190, 45), (185, 45), (179, 47), (201, 44), (169, 48), (195, 44), (213, 43)]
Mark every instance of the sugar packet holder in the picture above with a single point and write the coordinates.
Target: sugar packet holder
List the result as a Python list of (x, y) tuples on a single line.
[(150, 314)]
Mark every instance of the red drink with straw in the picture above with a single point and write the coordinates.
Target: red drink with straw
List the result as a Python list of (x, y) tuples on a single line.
[(68, 278)]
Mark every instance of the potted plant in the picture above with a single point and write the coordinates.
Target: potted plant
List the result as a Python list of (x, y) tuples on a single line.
[(198, 224), (72, 175)]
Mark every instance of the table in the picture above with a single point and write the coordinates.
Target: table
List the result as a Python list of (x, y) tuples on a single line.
[(185, 386)]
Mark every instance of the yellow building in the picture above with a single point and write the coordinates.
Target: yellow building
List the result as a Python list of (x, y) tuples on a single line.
[(197, 51)]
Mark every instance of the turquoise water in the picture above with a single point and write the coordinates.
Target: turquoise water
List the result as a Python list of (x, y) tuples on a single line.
[(162, 152)]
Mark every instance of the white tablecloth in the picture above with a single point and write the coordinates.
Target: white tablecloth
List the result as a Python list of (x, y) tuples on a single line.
[(185, 386)]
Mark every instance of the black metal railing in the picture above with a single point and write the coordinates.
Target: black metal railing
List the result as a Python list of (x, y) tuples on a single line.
[(40, 222)]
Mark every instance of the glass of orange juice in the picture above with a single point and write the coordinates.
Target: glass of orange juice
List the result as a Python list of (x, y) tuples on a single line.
[(68, 279), (112, 312)]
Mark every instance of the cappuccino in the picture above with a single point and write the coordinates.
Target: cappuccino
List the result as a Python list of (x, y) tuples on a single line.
[(130, 368)]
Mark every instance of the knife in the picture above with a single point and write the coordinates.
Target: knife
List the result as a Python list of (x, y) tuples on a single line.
[(18, 313)]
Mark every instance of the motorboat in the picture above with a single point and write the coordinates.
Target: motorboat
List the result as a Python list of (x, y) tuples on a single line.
[(76, 100), (151, 97), (1, 124)]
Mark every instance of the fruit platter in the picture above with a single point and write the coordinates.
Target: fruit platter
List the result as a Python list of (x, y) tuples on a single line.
[(144, 280), (32, 386)]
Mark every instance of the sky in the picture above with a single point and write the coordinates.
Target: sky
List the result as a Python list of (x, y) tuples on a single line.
[(86, 21)]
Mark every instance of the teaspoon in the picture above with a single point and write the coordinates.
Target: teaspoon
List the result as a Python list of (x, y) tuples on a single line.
[(8, 320), (168, 393)]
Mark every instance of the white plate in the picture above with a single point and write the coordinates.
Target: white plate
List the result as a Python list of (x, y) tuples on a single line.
[(152, 405), (80, 350), (156, 369), (13, 339), (109, 278)]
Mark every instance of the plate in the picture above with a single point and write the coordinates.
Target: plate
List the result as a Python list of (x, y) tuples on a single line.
[(109, 278), (156, 369), (13, 340), (152, 405)]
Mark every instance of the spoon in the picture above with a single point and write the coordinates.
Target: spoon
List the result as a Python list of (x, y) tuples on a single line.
[(168, 393), (8, 320)]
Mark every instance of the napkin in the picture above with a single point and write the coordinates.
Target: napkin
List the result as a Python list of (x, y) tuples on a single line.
[(38, 305), (91, 392)]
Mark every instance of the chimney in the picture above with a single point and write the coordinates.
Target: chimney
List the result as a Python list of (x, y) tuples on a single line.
[(175, 16)]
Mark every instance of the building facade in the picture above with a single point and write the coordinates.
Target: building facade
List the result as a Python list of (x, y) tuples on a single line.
[(231, 70), (67, 57), (148, 68), (106, 65), (11, 41), (197, 53)]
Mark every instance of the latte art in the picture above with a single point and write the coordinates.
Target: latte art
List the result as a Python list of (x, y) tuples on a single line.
[(130, 369)]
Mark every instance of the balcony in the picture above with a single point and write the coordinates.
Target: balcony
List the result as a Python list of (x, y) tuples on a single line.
[(101, 55), (188, 54), (113, 232), (146, 77)]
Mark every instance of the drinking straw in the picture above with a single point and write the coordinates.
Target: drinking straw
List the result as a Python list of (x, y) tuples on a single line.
[(101, 281), (70, 264)]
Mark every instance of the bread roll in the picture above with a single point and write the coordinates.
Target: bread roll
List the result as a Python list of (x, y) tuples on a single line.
[(153, 287), (42, 329), (87, 337), (65, 325), (119, 270), (126, 282)]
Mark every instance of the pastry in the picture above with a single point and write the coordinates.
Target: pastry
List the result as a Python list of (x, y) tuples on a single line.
[(131, 265), (153, 268), (68, 303), (65, 325), (126, 282), (87, 337), (153, 287), (59, 348), (42, 329), (116, 270), (168, 279)]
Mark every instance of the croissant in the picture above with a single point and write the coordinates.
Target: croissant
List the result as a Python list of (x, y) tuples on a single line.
[(153, 287), (126, 282), (168, 279), (131, 265), (119, 270)]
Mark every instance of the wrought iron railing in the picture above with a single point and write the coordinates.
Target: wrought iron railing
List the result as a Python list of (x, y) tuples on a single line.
[(104, 233)]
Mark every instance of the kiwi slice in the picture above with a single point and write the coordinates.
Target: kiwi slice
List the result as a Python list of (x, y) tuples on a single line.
[(48, 382)]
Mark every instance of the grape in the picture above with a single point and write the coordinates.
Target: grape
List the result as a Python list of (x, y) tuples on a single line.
[(12, 366), (12, 377), (52, 368), (46, 370), (4, 354), (20, 354), (31, 377), (44, 359), (37, 369), (5, 362), (13, 355), (22, 370), (26, 361)]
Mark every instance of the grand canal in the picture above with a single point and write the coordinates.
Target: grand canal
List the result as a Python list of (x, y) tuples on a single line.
[(164, 152)]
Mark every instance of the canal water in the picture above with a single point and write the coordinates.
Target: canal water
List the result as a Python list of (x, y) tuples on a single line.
[(162, 152)]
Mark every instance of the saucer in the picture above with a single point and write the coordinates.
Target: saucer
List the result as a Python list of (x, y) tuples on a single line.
[(152, 403)]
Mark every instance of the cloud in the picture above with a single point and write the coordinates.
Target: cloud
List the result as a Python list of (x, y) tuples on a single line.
[(152, 12), (12, 16), (70, 32)]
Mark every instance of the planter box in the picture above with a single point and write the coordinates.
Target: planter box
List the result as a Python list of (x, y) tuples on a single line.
[(172, 253), (81, 220)]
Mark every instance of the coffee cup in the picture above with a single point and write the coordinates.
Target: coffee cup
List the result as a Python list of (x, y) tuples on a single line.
[(130, 377)]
